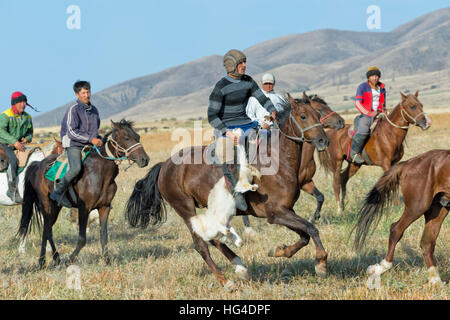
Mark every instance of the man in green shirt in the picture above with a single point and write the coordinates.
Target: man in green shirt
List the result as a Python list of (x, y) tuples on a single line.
[(16, 130)]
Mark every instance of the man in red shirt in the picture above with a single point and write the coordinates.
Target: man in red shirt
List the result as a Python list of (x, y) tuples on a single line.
[(370, 100)]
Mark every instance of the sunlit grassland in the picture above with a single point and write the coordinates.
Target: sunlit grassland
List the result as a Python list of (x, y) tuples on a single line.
[(162, 264)]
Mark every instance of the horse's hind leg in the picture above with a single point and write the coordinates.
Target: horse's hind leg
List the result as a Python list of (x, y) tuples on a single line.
[(306, 231), (103, 217), (433, 222), (397, 229), (82, 222), (240, 269)]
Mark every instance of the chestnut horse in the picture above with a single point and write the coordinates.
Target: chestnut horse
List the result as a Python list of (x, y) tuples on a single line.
[(94, 188), (425, 184), (384, 147), (329, 119), (187, 186)]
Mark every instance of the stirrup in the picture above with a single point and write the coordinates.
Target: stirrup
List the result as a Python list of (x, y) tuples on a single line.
[(357, 158)]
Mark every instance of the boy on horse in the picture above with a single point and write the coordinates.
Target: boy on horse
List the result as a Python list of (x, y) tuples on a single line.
[(255, 110), (79, 128), (16, 130), (370, 100), (226, 111)]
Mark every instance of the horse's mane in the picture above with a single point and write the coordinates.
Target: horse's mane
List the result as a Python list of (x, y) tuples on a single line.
[(126, 124), (312, 97), (284, 114)]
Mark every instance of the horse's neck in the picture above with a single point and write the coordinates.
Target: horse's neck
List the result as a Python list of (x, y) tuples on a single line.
[(395, 134), (289, 151)]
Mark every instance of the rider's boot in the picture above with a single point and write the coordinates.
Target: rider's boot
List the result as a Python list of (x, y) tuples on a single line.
[(230, 172), (357, 146)]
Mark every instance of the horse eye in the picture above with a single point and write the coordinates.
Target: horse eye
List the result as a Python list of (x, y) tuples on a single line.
[(413, 107), (127, 139), (303, 116)]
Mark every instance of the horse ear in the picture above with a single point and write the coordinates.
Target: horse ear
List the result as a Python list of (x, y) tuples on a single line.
[(305, 97), (403, 96), (290, 99), (114, 124), (417, 93)]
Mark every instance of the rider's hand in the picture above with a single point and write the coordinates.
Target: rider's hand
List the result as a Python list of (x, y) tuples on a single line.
[(18, 145), (24, 141), (274, 115), (231, 135), (372, 114), (97, 142)]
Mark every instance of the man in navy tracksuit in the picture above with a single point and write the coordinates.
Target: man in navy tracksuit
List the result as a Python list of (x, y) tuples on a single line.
[(79, 128)]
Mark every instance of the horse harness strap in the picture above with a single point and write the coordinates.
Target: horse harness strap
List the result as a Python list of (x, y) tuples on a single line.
[(296, 138), (117, 148), (326, 117), (403, 112)]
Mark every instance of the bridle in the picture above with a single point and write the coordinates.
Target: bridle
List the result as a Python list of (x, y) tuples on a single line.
[(403, 112), (297, 138), (114, 155), (326, 117)]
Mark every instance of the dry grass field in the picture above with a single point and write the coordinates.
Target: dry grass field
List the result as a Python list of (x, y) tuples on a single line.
[(163, 264)]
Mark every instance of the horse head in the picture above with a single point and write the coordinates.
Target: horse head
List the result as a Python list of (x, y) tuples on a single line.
[(328, 117), (126, 142), (305, 120), (412, 111)]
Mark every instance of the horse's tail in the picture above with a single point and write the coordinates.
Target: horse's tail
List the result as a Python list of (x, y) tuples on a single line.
[(30, 202), (376, 202), (325, 160), (145, 205)]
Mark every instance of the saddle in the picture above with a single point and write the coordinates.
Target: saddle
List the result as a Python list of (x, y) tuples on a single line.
[(61, 165), (23, 156)]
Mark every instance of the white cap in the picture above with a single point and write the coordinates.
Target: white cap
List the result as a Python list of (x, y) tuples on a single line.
[(268, 78)]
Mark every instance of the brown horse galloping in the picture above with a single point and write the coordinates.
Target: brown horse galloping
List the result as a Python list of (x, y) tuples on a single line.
[(94, 188), (384, 147), (330, 120), (425, 185), (187, 186)]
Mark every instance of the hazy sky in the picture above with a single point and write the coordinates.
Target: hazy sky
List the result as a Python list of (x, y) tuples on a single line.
[(120, 40)]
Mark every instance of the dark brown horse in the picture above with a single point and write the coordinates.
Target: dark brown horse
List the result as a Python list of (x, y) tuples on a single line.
[(384, 147), (425, 184), (187, 186), (329, 119), (94, 188)]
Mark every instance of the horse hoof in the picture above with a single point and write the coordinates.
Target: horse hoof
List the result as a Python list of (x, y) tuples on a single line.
[(321, 270), (229, 286), (242, 272), (277, 252)]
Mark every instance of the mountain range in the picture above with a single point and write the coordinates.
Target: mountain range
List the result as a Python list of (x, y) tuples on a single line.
[(317, 60)]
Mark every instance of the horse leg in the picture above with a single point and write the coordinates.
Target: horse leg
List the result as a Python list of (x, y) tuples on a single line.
[(312, 190), (185, 208), (306, 231), (337, 185), (82, 222), (397, 229), (44, 243), (345, 176), (433, 222), (103, 213), (240, 269), (55, 210)]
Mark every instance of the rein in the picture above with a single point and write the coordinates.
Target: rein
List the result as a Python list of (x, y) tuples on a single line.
[(297, 138), (326, 117), (117, 148), (402, 112)]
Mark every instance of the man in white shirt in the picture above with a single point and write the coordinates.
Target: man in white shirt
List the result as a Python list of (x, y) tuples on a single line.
[(255, 111)]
